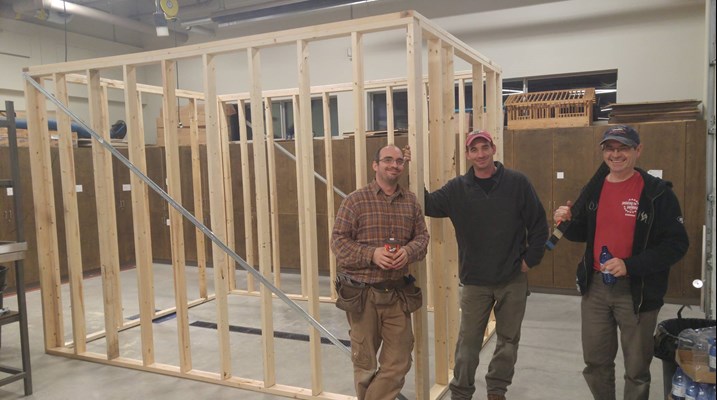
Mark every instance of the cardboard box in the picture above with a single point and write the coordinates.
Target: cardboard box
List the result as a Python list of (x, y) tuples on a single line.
[(695, 365)]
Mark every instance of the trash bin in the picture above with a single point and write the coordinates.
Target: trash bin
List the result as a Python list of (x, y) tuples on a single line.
[(666, 343)]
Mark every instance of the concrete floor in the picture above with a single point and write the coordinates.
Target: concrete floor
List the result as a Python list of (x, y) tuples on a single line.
[(549, 365)]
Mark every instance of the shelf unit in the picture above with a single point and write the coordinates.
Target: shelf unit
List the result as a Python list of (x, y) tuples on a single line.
[(12, 254)]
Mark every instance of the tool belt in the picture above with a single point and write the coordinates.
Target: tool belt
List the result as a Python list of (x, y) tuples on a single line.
[(352, 294)]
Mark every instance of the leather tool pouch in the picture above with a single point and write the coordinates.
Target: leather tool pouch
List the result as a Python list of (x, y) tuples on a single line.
[(412, 297), (350, 298)]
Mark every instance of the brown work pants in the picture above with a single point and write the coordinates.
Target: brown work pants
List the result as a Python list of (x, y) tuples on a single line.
[(382, 321)]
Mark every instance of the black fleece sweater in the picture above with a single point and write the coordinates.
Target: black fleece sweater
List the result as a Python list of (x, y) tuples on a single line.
[(495, 230)]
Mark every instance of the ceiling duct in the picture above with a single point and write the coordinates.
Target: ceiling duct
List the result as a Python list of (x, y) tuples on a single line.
[(25, 6), (233, 17)]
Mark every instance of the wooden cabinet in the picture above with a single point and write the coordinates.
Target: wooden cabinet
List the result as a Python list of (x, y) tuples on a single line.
[(560, 161)]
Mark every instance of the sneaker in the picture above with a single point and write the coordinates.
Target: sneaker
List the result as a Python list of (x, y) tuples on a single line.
[(495, 396)]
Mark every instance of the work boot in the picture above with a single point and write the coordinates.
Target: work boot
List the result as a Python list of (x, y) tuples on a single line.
[(495, 396)]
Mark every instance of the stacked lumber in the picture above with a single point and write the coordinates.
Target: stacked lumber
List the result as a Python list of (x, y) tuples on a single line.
[(652, 111)]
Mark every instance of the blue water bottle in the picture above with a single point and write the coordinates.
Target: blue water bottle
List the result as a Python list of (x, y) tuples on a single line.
[(703, 392), (678, 385), (607, 278), (691, 391)]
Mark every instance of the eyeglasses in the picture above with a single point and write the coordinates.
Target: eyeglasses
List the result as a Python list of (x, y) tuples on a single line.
[(619, 149), (391, 160)]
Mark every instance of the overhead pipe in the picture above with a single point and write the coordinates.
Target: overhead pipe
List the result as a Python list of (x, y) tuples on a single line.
[(25, 6)]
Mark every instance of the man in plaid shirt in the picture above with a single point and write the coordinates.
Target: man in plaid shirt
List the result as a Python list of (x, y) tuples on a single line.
[(379, 231)]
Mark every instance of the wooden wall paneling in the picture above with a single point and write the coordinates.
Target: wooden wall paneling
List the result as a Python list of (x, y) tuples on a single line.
[(664, 150), (527, 143), (217, 197), (262, 213), (320, 196), (437, 138), (693, 206), (123, 207), (140, 214), (188, 201), (31, 264), (45, 217), (159, 209), (414, 58), (329, 161), (198, 197), (247, 194), (305, 153), (106, 219), (72, 220), (273, 194), (568, 176), (357, 63), (174, 186), (85, 188)]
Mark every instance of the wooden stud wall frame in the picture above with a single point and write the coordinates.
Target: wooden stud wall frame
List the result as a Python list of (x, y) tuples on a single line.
[(258, 176)]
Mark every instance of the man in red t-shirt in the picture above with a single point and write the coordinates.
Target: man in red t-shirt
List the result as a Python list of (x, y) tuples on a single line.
[(638, 218)]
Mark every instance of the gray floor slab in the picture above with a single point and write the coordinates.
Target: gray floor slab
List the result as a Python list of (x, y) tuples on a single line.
[(549, 364)]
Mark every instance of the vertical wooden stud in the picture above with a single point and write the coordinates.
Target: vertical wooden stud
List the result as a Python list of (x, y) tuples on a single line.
[(461, 124), (262, 213), (140, 214), (478, 104), (72, 223), (390, 130), (415, 131), (223, 133), (306, 157), (296, 108), (273, 194), (330, 207), (438, 136), (106, 216), (217, 208), (45, 217), (198, 198), (176, 223), (247, 193), (359, 108)]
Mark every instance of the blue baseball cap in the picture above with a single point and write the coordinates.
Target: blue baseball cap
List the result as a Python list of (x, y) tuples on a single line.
[(623, 134)]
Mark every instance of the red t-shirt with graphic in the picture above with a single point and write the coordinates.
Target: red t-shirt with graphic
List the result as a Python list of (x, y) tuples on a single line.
[(616, 216)]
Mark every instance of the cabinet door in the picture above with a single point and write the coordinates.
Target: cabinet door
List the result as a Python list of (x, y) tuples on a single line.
[(533, 156), (664, 153), (158, 208), (574, 164)]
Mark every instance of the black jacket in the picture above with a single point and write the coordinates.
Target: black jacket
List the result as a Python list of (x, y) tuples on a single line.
[(495, 231), (660, 240)]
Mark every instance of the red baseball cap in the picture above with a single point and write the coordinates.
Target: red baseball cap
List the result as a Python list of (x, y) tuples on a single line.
[(478, 135)]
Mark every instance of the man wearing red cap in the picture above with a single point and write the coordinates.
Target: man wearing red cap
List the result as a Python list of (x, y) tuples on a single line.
[(501, 232), (637, 218)]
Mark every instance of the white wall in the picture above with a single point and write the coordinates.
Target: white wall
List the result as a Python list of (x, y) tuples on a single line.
[(657, 46)]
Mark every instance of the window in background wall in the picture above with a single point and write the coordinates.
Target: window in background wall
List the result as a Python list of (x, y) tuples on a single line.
[(604, 82), (282, 114), (377, 110)]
